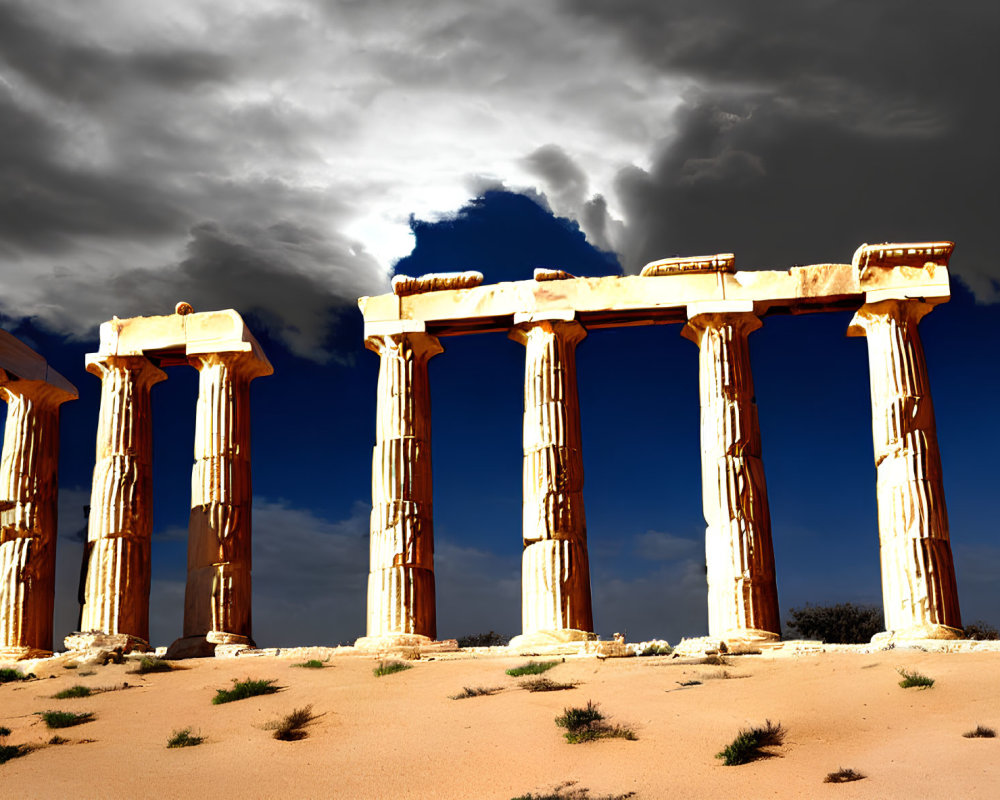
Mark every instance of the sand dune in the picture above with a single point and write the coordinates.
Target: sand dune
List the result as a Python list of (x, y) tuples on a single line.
[(401, 736)]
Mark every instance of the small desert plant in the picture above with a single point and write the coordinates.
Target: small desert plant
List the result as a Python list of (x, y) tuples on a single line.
[(980, 732), (543, 684), (843, 776), (657, 650), (65, 719), (844, 623), (749, 743), (981, 630), (531, 668), (476, 691), (4, 731), (586, 724), (292, 727), (57, 739), (566, 791), (689, 683), (149, 664), (73, 691), (911, 679), (312, 663), (491, 639), (184, 738), (243, 689), (7, 675), (389, 667), (11, 751)]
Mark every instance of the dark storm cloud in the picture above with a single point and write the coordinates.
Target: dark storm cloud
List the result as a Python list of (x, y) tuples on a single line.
[(816, 126)]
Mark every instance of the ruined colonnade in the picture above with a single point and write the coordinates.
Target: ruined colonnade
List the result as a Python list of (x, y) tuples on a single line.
[(890, 286)]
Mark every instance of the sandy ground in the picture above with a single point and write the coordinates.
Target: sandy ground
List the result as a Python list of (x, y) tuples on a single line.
[(401, 736)]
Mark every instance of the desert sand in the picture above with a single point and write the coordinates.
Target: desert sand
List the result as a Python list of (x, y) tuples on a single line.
[(402, 736)]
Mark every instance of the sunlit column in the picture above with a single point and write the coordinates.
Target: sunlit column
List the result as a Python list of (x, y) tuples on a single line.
[(116, 594), (918, 575), (217, 602), (742, 596), (28, 507), (555, 577), (401, 577)]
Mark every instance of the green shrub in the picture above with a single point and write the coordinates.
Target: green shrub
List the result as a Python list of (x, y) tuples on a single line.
[(243, 689), (981, 630), (911, 679), (491, 639), (749, 743), (390, 667), (149, 664), (531, 668), (11, 751), (657, 650), (980, 732), (476, 691), (65, 719), (312, 663), (73, 691), (184, 738), (7, 675), (844, 623), (292, 727), (586, 724), (843, 776)]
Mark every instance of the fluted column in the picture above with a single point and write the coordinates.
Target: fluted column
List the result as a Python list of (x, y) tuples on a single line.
[(918, 576), (401, 576), (555, 576), (28, 503), (742, 595), (217, 601), (116, 594)]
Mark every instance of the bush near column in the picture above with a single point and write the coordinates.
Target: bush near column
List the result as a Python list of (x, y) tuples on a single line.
[(843, 623)]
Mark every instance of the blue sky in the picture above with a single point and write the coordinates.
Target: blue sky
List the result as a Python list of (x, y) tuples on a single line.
[(283, 158)]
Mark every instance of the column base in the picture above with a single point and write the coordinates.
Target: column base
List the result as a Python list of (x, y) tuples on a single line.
[(203, 645), (22, 653), (930, 631), (551, 638), (392, 641), (98, 640)]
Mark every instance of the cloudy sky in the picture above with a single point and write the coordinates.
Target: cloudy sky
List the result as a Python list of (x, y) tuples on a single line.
[(283, 158)]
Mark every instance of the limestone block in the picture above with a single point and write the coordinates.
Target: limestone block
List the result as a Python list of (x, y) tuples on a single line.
[(721, 262), (403, 285)]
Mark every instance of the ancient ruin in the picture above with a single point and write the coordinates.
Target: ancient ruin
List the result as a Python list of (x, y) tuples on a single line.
[(29, 467), (217, 604), (890, 286)]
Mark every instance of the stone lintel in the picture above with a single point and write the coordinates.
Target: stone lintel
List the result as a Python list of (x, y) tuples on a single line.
[(720, 307), (19, 362), (394, 327), (899, 254), (556, 315), (172, 338)]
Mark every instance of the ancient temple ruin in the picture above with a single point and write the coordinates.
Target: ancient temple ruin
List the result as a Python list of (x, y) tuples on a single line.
[(217, 601), (889, 286), (29, 467)]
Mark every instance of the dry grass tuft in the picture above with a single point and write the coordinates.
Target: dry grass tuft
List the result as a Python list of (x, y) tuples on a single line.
[(844, 776)]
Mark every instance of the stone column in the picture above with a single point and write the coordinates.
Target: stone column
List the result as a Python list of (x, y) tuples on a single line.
[(918, 575), (555, 571), (116, 593), (742, 596), (401, 606), (217, 600), (28, 502)]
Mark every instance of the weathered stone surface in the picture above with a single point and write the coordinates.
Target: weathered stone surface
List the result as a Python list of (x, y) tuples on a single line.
[(742, 595), (700, 646), (920, 596), (29, 465), (555, 576), (401, 574)]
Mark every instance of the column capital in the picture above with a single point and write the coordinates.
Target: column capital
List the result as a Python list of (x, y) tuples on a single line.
[(41, 392), (902, 309), (702, 316), (561, 324), (148, 374), (421, 343), (244, 362)]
